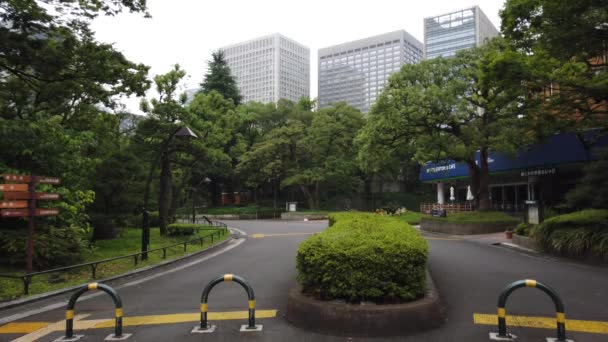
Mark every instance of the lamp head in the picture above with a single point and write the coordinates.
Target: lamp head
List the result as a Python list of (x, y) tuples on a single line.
[(185, 132)]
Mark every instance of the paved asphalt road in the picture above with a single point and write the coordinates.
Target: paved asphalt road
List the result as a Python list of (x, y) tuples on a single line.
[(469, 274)]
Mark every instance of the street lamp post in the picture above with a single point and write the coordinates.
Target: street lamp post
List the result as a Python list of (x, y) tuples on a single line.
[(193, 189), (183, 132)]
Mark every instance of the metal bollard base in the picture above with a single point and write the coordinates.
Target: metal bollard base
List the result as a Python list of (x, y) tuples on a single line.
[(553, 339), (197, 329), (494, 337), (245, 328), (68, 339), (113, 337)]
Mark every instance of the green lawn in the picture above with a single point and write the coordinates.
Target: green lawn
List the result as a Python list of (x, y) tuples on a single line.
[(128, 243), (411, 217), (476, 217)]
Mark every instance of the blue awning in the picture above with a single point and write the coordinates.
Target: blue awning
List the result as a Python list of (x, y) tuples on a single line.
[(559, 149)]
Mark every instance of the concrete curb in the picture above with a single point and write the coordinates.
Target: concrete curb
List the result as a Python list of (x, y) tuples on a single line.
[(300, 216), (42, 296), (345, 319), (518, 247), (453, 228)]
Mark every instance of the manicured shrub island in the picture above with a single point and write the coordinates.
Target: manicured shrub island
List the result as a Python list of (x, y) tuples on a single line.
[(364, 257), (579, 234)]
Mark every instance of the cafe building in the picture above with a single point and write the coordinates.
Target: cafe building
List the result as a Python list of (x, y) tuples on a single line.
[(542, 174)]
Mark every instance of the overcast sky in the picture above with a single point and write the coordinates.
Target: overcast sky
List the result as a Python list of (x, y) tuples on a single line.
[(187, 31)]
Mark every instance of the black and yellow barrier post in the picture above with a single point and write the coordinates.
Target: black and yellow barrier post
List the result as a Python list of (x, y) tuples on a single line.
[(502, 334), (205, 327), (69, 315)]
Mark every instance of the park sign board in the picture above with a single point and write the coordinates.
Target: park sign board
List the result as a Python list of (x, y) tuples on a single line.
[(29, 179), (13, 204), (26, 212), (45, 196), (13, 187)]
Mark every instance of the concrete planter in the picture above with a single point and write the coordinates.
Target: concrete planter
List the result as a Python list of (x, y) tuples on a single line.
[(525, 242), (444, 227), (296, 216), (345, 319)]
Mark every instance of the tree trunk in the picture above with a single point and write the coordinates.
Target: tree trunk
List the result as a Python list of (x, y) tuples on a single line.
[(484, 181), (275, 193), (474, 173), (308, 196), (215, 192), (164, 196), (316, 196)]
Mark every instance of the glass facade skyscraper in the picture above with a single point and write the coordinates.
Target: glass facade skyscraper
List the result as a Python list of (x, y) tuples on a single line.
[(446, 34), (356, 72), (270, 68)]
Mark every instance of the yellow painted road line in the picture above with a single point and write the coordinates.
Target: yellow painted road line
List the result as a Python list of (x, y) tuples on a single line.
[(187, 317), (594, 327), (22, 327), (259, 236), (40, 333), (37, 330)]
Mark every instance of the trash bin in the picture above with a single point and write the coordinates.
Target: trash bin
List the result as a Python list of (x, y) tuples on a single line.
[(291, 206)]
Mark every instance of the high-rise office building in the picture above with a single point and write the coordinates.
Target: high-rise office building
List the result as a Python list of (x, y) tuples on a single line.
[(446, 34), (270, 68), (356, 72)]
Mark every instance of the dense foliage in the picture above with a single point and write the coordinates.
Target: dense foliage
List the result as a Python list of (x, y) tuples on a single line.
[(579, 234), (592, 189), (364, 257)]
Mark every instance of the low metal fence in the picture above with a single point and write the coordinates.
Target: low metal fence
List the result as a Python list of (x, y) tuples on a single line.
[(219, 229), (449, 208)]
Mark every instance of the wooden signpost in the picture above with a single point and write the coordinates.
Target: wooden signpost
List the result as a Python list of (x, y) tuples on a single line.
[(19, 200)]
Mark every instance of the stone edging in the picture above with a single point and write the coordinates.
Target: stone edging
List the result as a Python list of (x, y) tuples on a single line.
[(525, 242), (303, 215), (365, 319), (453, 228), (42, 296)]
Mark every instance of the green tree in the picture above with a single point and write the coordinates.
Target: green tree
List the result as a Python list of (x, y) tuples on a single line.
[(313, 152), (565, 42), (592, 189), (220, 79), (450, 109), (216, 120), (157, 132), (57, 87)]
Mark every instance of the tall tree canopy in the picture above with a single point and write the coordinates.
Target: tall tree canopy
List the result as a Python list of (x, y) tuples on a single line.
[(450, 109), (220, 79), (567, 44)]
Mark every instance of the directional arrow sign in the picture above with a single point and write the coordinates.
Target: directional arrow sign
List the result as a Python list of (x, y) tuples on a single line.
[(26, 212), (13, 187), (26, 195), (13, 204), (49, 180)]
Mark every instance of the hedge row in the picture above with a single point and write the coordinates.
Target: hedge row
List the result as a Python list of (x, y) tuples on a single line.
[(477, 217), (183, 228), (579, 234), (364, 257)]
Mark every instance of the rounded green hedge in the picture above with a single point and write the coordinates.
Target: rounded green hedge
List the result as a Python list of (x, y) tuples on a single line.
[(364, 257), (579, 234)]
